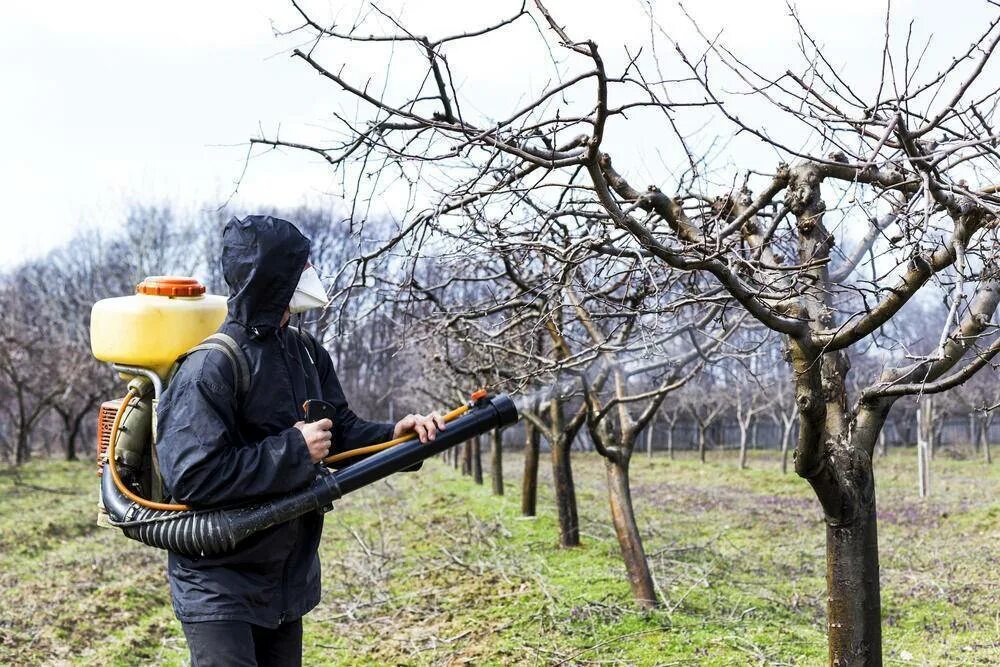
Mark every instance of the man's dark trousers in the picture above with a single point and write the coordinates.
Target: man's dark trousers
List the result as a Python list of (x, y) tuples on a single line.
[(238, 644)]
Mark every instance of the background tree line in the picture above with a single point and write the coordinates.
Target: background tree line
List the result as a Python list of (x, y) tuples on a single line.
[(51, 386)]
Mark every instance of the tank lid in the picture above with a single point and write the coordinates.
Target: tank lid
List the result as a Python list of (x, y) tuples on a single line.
[(170, 286)]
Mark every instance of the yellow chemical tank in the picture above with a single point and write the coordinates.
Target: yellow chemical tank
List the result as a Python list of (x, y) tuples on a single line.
[(166, 316)]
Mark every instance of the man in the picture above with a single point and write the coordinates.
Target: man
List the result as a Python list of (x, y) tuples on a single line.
[(217, 448)]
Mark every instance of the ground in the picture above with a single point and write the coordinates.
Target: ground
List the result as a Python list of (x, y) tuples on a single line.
[(431, 569)]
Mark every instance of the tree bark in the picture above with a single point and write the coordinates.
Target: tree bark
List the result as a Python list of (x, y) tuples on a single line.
[(562, 479), (467, 457), (786, 437), (973, 436), (529, 480), (924, 435), (72, 416), (743, 446), (701, 443), (496, 462), (562, 476), (844, 482), (649, 440), (21, 452), (852, 576), (71, 438), (623, 517), (477, 460), (984, 437)]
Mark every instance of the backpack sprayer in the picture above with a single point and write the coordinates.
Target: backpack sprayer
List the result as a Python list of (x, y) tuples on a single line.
[(143, 336)]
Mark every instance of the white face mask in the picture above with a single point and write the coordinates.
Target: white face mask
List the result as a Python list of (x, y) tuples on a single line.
[(309, 293)]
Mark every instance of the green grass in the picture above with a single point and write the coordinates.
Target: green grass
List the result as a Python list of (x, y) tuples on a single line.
[(431, 569)]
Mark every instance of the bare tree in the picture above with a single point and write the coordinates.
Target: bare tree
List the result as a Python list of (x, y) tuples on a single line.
[(704, 410), (749, 405), (783, 413), (908, 168), (979, 398), (560, 432), (618, 415)]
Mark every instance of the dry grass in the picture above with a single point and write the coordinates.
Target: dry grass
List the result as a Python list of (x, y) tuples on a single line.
[(430, 569)]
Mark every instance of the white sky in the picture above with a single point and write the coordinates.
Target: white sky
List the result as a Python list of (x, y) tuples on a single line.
[(111, 100)]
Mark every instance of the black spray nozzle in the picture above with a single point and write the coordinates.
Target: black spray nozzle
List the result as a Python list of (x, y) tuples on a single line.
[(486, 414)]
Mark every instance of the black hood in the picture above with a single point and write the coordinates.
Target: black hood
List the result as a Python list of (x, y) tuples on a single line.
[(262, 260)]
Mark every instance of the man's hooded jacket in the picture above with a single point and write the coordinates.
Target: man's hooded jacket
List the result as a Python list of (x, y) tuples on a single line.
[(217, 449)]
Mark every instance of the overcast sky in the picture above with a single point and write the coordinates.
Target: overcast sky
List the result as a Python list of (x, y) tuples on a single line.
[(109, 101)]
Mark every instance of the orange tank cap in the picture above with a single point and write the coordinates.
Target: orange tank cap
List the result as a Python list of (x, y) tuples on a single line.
[(478, 394), (170, 286)]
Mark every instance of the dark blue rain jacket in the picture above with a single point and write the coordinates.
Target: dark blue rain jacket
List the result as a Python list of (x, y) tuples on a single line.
[(216, 450)]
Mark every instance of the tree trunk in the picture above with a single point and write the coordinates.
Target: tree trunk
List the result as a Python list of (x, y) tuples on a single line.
[(984, 437), (477, 460), (924, 427), (973, 436), (529, 480), (649, 440), (623, 518), (845, 487), (854, 614), (496, 462), (670, 441), (21, 453), (71, 427), (834, 457), (743, 446), (71, 438), (701, 442), (937, 426), (562, 477), (786, 437), (467, 457)]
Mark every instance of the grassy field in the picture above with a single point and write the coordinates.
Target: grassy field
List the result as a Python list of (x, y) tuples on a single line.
[(430, 569)]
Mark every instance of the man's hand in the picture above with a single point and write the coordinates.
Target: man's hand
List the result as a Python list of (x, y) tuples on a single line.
[(426, 427), (318, 438)]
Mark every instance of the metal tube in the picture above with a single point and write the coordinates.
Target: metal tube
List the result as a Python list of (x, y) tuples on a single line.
[(145, 372), (489, 414)]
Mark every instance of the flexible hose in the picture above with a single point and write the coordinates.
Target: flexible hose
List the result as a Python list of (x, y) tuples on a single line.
[(113, 467)]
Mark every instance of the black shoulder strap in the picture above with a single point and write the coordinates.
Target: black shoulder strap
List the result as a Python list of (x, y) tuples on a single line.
[(234, 353), (308, 340)]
